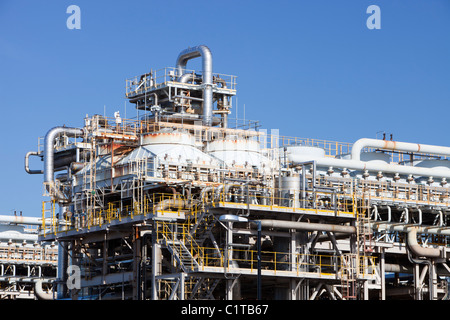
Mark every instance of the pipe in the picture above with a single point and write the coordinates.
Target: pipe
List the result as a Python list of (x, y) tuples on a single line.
[(186, 77), (49, 165), (419, 250), (23, 220), (307, 226), (396, 146), (39, 292), (373, 166), (207, 84), (48, 148), (18, 236), (168, 203), (27, 168), (390, 227)]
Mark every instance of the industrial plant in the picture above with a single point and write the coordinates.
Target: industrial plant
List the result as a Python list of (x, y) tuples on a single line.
[(183, 202)]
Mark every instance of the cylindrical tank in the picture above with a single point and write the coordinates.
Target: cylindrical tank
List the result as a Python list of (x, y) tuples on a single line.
[(304, 151), (289, 191), (372, 157), (168, 138), (237, 153), (432, 163)]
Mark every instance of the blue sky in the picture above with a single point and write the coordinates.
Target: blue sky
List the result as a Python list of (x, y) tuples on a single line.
[(310, 68)]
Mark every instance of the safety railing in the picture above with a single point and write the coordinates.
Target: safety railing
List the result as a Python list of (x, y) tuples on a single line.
[(178, 236), (13, 253), (270, 260), (111, 127), (157, 203), (155, 78), (408, 194), (284, 199)]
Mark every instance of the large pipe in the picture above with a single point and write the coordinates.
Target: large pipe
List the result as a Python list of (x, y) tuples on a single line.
[(27, 168), (23, 220), (396, 146), (206, 55), (18, 236), (417, 249), (394, 227), (48, 148), (39, 292), (374, 166), (307, 226)]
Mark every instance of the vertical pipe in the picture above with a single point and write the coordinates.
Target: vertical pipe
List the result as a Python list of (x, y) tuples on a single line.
[(207, 84)]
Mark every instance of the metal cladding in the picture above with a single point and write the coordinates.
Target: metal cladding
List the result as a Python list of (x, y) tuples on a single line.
[(205, 53), (50, 137), (182, 202)]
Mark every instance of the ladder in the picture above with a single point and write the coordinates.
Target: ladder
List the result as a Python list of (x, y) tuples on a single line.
[(363, 229), (348, 275)]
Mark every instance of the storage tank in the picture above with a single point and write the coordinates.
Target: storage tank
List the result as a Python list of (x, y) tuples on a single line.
[(176, 147), (439, 164), (372, 157), (294, 153), (289, 191), (369, 156), (238, 152)]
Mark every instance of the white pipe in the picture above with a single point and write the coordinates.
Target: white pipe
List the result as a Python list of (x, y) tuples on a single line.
[(396, 146), (394, 227), (307, 226), (39, 292), (406, 215), (419, 250), (18, 236), (23, 220), (373, 166), (375, 213)]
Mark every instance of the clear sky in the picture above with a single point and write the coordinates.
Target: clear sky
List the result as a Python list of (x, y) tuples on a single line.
[(311, 68)]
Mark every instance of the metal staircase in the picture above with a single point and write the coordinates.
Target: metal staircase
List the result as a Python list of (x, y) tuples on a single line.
[(203, 289), (186, 258)]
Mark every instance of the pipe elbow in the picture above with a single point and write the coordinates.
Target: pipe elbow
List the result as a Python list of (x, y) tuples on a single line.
[(27, 167), (49, 150), (417, 249), (40, 293)]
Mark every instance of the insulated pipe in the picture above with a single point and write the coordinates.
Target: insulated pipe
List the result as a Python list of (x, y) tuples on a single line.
[(48, 148), (185, 78), (307, 226), (394, 227), (206, 55), (373, 166), (18, 236), (39, 292), (396, 146), (27, 168), (419, 250), (23, 220), (168, 203)]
